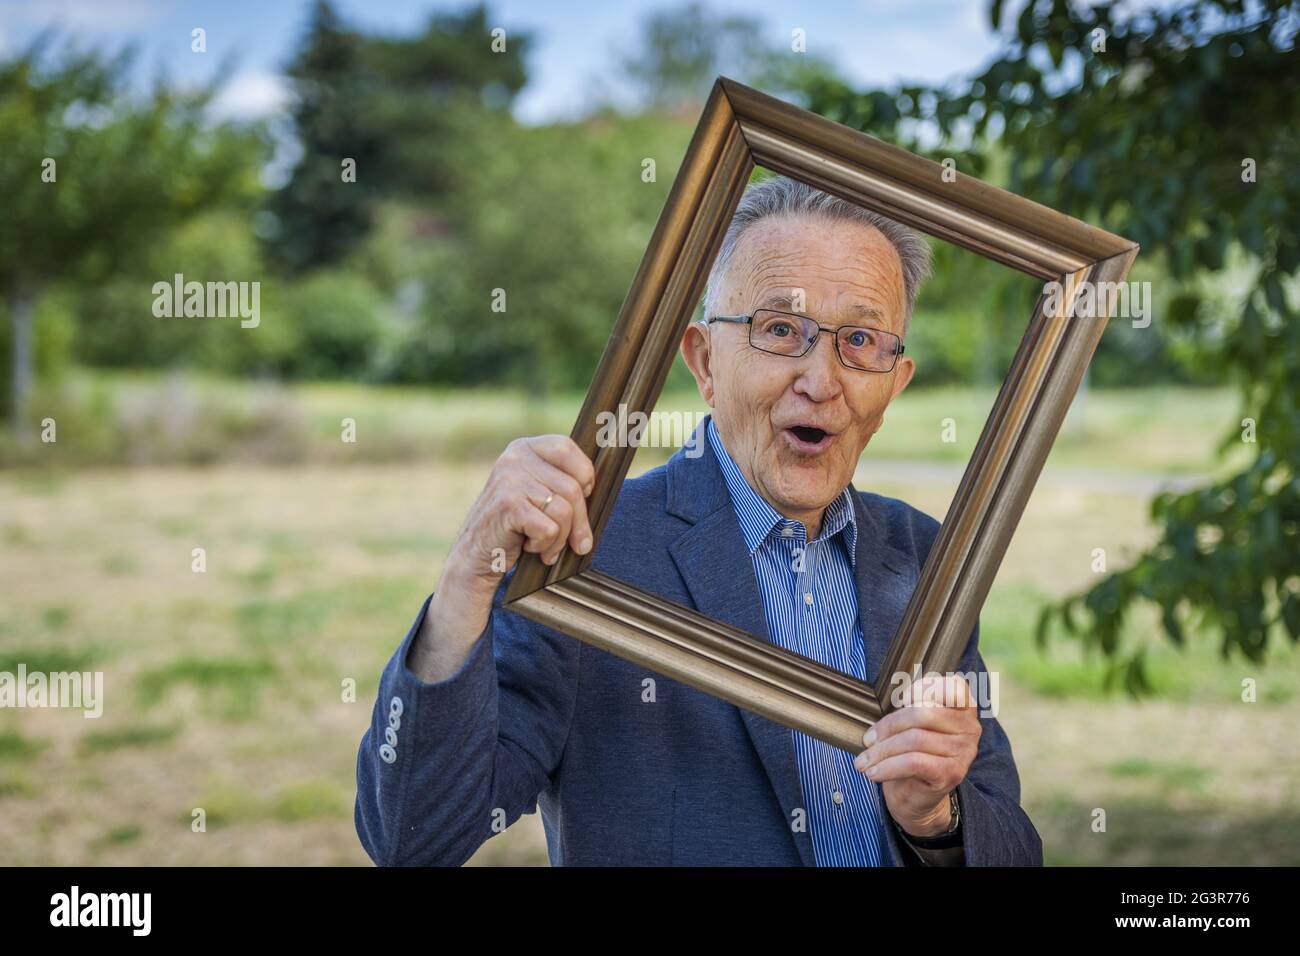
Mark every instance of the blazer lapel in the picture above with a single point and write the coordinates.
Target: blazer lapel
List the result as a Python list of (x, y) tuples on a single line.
[(714, 562), (885, 579)]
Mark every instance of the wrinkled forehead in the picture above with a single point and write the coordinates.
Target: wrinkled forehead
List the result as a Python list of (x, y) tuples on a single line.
[(838, 272)]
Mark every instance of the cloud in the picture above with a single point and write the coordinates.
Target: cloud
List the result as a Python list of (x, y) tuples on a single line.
[(917, 40), (252, 94)]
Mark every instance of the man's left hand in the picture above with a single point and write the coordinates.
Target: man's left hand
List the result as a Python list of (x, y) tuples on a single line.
[(923, 750)]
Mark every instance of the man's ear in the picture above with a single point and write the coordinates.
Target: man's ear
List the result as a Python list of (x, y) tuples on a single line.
[(695, 352), (906, 368)]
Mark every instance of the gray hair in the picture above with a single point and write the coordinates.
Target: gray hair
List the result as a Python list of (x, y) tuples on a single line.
[(782, 196)]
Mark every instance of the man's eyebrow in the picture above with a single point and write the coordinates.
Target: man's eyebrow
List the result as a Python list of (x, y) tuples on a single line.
[(785, 303), (778, 301), (864, 311)]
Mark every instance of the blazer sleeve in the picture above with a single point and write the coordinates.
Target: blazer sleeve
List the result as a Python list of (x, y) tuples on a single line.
[(444, 766), (995, 830)]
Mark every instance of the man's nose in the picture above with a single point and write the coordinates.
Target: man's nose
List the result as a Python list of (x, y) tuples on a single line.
[(819, 376)]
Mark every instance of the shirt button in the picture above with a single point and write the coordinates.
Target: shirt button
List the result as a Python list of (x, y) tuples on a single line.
[(807, 597), (787, 532), (837, 797)]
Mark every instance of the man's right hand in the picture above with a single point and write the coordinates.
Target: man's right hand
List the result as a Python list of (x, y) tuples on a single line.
[(511, 515)]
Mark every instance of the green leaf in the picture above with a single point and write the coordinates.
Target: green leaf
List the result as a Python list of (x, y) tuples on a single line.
[(1182, 308), (1291, 615), (1041, 627), (1025, 26), (1135, 676), (1169, 619), (995, 14), (1273, 293)]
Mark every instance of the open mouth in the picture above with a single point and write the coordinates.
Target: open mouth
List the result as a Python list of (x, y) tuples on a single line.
[(809, 434), (808, 439)]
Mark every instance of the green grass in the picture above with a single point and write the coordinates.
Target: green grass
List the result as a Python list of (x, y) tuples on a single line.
[(14, 746), (132, 736), (297, 802), (1171, 431), (1167, 775), (15, 783), (124, 833), (56, 617), (268, 622), (223, 690), (310, 800), (404, 542), (120, 564), (235, 684), (47, 660), (1168, 429)]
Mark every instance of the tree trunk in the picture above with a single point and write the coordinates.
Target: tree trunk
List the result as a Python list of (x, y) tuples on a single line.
[(21, 307)]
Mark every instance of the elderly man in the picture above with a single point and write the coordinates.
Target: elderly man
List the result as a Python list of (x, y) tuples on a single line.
[(483, 715)]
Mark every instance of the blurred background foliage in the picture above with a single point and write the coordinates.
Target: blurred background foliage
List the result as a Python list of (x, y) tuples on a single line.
[(377, 308), (392, 279)]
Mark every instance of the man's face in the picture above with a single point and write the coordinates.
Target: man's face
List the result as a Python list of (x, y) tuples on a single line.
[(763, 404)]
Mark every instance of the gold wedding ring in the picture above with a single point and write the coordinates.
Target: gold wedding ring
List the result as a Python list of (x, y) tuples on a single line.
[(549, 499)]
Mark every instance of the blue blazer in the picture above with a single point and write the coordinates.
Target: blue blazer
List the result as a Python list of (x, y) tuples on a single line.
[(536, 718)]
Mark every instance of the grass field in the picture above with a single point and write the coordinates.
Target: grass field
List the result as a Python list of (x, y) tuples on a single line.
[(148, 419), (224, 689)]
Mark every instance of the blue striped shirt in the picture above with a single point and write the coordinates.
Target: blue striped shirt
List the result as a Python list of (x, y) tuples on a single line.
[(810, 602)]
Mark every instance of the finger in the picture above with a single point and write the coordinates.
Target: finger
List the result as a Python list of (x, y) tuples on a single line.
[(562, 483), (539, 529), (553, 506), (930, 770), (901, 717), (927, 716), (913, 740), (561, 512), (950, 690), (895, 722), (921, 691), (934, 691), (564, 453)]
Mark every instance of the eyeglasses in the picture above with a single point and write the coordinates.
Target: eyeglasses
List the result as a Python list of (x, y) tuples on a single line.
[(785, 333)]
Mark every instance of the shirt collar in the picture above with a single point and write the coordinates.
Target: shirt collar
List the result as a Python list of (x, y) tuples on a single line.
[(758, 519)]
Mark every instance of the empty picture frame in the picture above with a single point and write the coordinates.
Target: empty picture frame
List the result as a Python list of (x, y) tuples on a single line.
[(739, 129)]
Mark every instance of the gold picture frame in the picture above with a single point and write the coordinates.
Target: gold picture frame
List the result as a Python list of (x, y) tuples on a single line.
[(739, 129)]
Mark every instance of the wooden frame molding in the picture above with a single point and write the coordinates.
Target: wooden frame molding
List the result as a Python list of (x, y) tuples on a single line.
[(739, 129)]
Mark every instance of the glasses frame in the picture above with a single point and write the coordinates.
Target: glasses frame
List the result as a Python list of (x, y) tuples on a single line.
[(811, 343), (739, 129)]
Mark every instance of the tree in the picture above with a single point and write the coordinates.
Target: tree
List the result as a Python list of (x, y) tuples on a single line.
[(683, 50), (379, 104), (523, 218), (1177, 127), (92, 176)]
